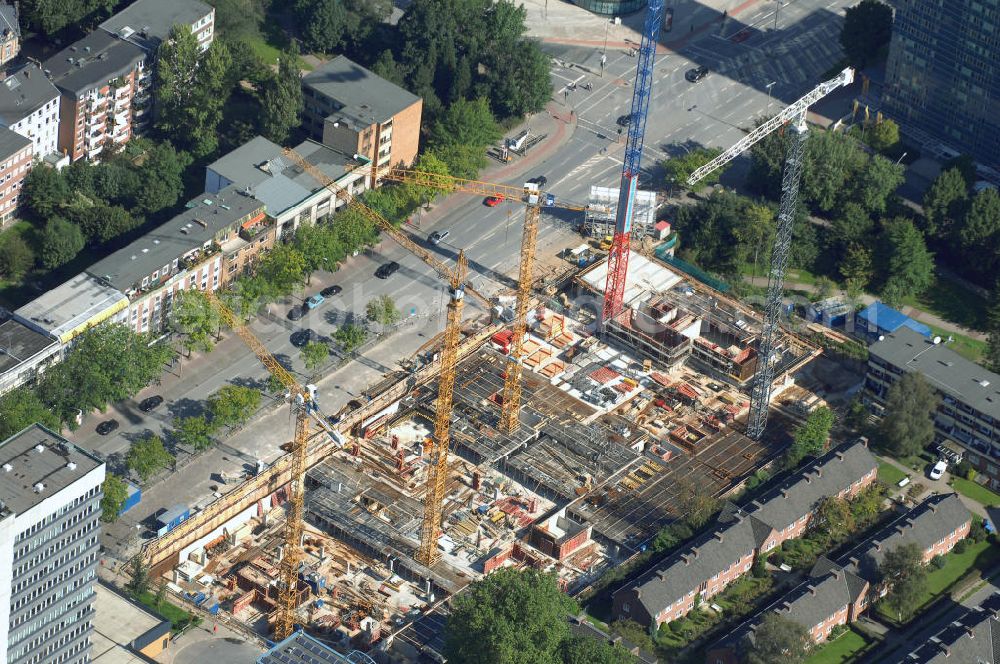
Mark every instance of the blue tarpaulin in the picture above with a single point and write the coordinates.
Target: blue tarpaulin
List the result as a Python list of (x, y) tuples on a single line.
[(879, 318)]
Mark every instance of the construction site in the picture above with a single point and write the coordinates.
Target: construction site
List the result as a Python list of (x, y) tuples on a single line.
[(547, 437)]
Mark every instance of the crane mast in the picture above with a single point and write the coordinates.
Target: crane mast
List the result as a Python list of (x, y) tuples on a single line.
[(437, 475), (511, 401), (302, 404), (760, 393), (614, 289)]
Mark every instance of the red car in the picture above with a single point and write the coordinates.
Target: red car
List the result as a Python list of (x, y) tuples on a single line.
[(493, 201)]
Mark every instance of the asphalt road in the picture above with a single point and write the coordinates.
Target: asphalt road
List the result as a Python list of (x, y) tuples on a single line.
[(682, 115)]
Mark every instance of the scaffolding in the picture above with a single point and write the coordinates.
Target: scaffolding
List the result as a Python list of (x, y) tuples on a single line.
[(600, 215)]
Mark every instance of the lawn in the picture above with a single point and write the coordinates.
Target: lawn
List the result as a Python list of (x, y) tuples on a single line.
[(967, 347), (889, 474), (842, 649), (981, 556), (951, 301), (175, 614), (975, 491)]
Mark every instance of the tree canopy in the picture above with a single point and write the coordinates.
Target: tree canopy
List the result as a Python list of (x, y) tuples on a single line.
[(52, 16), (147, 456), (811, 436), (192, 88), (909, 266), (903, 571), (233, 404), (281, 99), (193, 315), (382, 310), (678, 169), (115, 494), (509, 617), (867, 29), (907, 425), (723, 232), (778, 639), (20, 408)]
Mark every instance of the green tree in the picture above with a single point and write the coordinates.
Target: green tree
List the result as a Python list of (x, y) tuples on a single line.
[(856, 268), (587, 650), (61, 241), (695, 502), (319, 246), (315, 354), (810, 437), (883, 136), (350, 336), (979, 237), (324, 24), (16, 257), (867, 505), (466, 122), (866, 31), (233, 404), (161, 177), (108, 363), (147, 456), (834, 519), (944, 203), (193, 315), (283, 269), (102, 223), (195, 431), (909, 266), (723, 231), (778, 639), (382, 310), (386, 67), (239, 20), (902, 570), (45, 191), (991, 356), (191, 90), (965, 165), (509, 617), (20, 408), (833, 161), (281, 98), (679, 169), (875, 182), (907, 425), (138, 577), (115, 494)]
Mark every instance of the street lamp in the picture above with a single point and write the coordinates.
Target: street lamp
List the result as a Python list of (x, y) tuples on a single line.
[(777, 9), (604, 53), (901, 158), (769, 86)]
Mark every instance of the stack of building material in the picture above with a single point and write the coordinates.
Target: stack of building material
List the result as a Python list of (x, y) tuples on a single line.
[(538, 358)]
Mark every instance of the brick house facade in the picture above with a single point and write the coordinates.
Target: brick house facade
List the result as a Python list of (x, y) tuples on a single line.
[(837, 593), (16, 154), (216, 238), (716, 559)]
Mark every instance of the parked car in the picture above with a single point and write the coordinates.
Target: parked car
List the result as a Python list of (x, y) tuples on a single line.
[(696, 74), (938, 470), (302, 337), (540, 180), (315, 301), (624, 120), (386, 270), (295, 313), (149, 403), (106, 427), (493, 201), (331, 291), (437, 238)]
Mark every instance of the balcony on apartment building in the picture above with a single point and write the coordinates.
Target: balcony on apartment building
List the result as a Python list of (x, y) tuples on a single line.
[(199, 256)]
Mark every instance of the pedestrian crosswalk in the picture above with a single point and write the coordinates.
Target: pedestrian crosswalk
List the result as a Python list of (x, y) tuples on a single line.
[(788, 60)]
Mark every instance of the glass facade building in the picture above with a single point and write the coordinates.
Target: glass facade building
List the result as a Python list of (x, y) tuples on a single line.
[(611, 7), (943, 73)]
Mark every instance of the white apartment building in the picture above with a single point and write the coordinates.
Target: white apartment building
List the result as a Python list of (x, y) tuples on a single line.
[(50, 495), (29, 105)]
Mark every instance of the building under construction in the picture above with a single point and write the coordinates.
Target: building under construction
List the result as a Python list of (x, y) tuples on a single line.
[(609, 439), (599, 219)]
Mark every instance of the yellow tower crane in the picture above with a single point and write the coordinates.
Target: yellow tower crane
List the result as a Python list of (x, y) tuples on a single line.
[(437, 474), (438, 470), (302, 405), (510, 404)]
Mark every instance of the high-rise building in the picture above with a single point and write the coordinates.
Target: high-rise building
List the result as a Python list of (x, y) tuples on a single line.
[(943, 75), (50, 494)]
